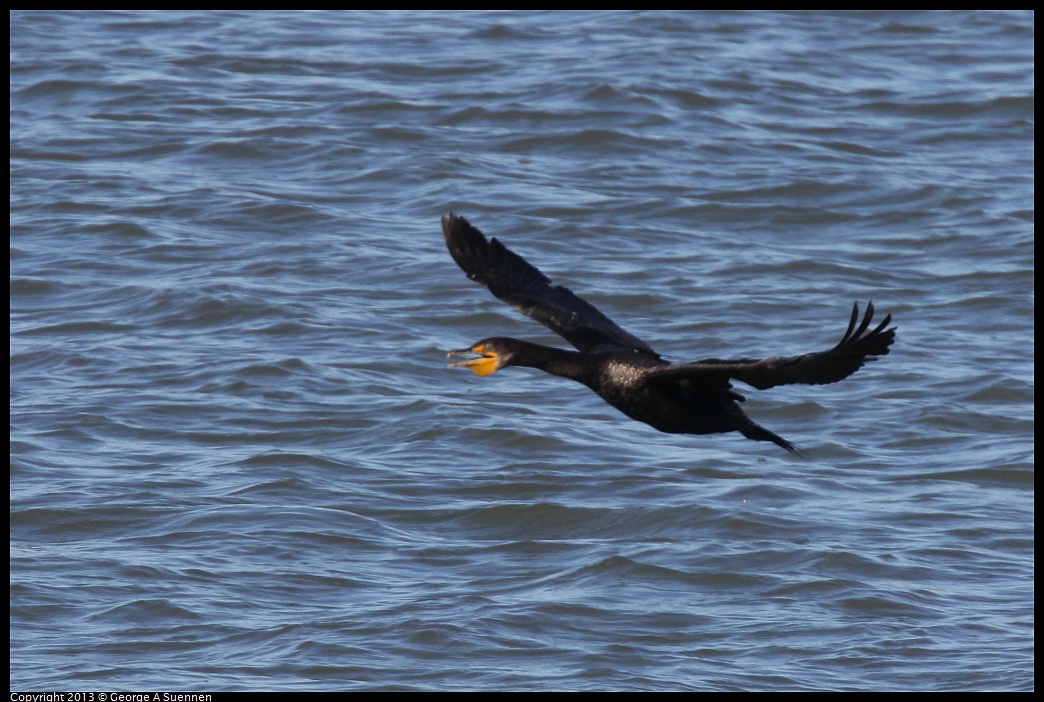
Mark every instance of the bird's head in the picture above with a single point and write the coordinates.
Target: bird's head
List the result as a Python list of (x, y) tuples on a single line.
[(492, 355)]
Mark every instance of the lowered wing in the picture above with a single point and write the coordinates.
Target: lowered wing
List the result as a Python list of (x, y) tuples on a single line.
[(857, 346)]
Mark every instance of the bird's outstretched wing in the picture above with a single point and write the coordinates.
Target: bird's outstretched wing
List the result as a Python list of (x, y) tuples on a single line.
[(857, 346), (516, 282)]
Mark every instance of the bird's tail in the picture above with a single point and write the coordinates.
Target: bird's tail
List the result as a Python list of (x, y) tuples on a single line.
[(760, 433)]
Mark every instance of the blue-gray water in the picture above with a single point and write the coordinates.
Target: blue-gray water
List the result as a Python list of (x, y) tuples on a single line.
[(238, 460)]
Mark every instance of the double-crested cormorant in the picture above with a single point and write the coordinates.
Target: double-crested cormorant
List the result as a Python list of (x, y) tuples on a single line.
[(683, 398)]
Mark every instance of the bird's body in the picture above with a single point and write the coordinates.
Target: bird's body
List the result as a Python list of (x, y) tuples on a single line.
[(686, 398)]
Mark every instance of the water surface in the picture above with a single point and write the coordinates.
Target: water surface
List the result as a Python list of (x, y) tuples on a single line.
[(238, 460)]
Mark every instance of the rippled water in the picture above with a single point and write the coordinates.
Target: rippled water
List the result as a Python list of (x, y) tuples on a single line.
[(238, 460)]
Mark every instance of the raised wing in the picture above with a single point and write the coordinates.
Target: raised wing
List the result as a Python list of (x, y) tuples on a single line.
[(857, 346), (516, 282)]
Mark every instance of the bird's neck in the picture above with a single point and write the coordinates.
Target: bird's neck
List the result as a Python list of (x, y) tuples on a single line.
[(560, 362)]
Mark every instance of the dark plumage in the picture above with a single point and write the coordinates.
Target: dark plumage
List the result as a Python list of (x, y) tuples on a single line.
[(684, 398)]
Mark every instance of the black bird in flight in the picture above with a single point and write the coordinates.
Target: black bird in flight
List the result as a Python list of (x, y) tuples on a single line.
[(682, 398)]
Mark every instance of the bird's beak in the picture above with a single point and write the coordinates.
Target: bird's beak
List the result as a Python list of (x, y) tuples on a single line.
[(485, 364)]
